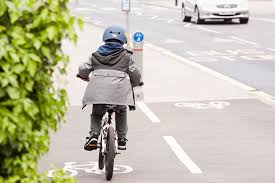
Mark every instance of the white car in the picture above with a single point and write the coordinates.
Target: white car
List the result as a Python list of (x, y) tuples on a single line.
[(200, 10)]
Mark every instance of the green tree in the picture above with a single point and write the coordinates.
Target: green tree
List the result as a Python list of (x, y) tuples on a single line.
[(31, 32)]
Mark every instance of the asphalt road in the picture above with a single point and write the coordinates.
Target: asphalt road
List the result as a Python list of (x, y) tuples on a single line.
[(243, 52), (192, 127)]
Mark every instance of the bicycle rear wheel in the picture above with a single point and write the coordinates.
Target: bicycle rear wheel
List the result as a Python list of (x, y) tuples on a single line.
[(110, 154)]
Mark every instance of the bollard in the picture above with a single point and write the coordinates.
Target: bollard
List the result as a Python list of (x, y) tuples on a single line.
[(138, 38)]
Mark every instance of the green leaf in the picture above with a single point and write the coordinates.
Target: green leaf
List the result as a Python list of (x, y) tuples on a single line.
[(34, 57), (80, 23), (51, 32), (37, 44), (31, 67), (2, 28), (19, 68), (30, 108), (13, 80), (2, 92), (13, 93), (3, 8), (29, 85), (14, 57), (46, 51)]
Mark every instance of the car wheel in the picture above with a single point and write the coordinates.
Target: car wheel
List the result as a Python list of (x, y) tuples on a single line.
[(183, 14), (198, 20), (244, 20)]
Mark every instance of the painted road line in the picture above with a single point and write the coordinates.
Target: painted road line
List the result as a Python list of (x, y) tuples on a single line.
[(170, 21), (183, 157), (271, 49), (148, 112), (187, 25), (154, 17), (244, 41), (264, 20), (208, 30), (268, 99)]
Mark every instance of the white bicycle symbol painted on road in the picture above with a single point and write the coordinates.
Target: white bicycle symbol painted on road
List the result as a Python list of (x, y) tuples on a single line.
[(71, 169), (210, 105)]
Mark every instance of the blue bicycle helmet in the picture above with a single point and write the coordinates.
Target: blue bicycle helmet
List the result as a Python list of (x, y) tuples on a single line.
[(115, 33)]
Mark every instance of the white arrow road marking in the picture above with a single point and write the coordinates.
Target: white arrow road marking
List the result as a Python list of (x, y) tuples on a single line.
[(148, 112), (183, 157)]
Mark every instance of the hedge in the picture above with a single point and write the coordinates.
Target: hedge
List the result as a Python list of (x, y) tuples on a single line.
[(31, 32)]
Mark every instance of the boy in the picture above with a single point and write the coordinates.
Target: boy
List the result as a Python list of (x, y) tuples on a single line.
[(113, 76)]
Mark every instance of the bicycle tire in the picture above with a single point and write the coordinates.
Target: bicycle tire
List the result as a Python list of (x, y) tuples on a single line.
[(100, 159), (110, 154)]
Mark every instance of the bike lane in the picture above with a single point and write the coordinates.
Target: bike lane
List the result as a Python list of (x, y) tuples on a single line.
[(233, 143), (148, 154)]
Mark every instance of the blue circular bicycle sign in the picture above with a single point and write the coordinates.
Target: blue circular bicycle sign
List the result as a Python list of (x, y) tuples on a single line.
[(138, 37)]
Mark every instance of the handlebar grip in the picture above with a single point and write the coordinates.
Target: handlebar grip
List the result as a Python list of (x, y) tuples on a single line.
[(141, 84)]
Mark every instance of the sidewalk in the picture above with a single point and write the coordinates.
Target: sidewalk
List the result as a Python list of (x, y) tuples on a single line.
[(166, 79)]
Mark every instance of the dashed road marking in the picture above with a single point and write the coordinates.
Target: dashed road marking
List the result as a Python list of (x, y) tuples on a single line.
[(148, 112), (245, 41), (170, 21), (264, 20), (183, 157), (187, 25), (208, 30)]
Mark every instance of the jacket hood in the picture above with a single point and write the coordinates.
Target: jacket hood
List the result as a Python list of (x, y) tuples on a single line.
[(110, 54)]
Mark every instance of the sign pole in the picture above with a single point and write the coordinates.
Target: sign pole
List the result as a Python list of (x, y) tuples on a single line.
[(126, 6), (128, 29), (138, 38)]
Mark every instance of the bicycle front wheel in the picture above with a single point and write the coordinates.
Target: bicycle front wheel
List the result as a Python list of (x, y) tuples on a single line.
[(110, 154)]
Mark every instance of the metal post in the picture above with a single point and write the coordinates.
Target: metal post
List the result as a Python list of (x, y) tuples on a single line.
[(176, 2), (138, 38), (128, 29)]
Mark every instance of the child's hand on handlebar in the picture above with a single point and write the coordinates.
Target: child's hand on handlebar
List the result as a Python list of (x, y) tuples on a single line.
[(84, 79)]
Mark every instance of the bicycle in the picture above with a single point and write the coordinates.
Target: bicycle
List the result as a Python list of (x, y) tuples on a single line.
[(107, 140)]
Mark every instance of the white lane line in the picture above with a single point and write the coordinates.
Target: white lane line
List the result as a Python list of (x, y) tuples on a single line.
[(154, 17), (264, 20), (187, 25), (208, 30), (184, 158), (271, 49), (244, 41), (170, 21), (148, 112)]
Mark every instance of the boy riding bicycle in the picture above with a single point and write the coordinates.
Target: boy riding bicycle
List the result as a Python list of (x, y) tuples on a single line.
[(114, 75)]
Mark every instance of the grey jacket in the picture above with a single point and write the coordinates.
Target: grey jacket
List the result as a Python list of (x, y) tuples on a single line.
[(112, 79)]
